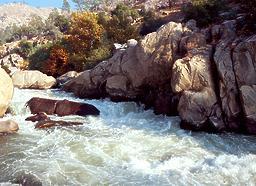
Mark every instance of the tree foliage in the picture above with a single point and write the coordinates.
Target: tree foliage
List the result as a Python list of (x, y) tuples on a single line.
[(84, 33), (57, 62), (25, 48), (119, 27), (66, 6), (203, 11)]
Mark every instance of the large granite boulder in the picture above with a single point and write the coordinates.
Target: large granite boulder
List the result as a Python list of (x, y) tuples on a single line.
[(248, 98), (244, 58), (32, 79), (129, 71), (192, 78), (6, 91), (228, 90)]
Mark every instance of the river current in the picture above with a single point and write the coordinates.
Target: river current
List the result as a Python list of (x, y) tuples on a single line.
[(125, 145)]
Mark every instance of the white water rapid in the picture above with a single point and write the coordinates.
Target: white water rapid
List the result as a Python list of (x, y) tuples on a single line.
[(125, 145)]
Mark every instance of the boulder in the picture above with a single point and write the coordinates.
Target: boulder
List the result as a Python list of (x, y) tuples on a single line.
[(199, 111), (244, 58), (12, 60), (65, 108), (27, 179), (61, 107), (32, 79), (248, 98), (41, 116), (146, 64), (51, 123), (8, 127), (40, 105), (228, 90), (67, 77), (6, 91), (192, 78)]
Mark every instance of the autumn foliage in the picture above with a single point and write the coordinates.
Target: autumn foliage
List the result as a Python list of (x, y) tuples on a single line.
[(57, 63), (84, 33)]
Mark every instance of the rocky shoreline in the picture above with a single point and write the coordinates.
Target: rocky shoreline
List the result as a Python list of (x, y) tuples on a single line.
[(207, 77)]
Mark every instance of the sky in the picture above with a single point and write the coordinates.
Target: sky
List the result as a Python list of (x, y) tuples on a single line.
[(37, 3)]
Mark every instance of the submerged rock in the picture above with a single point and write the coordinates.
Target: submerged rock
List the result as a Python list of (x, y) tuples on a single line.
[(8, 127), (6, 91), (41, 116), (27, 179), (32, 79), (61, 107), (52, 123)]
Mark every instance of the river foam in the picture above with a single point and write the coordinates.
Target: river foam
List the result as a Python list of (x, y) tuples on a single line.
[(125, 145)]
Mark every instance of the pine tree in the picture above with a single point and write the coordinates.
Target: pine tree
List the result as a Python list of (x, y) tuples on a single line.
[(66, 6)]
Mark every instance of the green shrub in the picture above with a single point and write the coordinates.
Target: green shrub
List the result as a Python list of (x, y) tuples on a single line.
[(97, 55), (25, 48), (39, 56), (120, 27), (150, 22), (203, 11)]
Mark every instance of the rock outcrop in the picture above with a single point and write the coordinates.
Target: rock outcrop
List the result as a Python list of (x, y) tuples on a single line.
[(6, 91), (132, 71), (12, 62), (207, 77), (32, 79)]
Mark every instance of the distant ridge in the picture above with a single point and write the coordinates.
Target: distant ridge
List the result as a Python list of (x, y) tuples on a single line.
[(20, 13)]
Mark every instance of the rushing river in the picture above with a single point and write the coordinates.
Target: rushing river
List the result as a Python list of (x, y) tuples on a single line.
[(125, 145)]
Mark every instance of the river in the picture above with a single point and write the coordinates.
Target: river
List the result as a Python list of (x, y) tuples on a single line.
[(125, 145)]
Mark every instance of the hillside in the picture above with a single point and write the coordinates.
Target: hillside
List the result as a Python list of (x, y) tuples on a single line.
[(19, 13)]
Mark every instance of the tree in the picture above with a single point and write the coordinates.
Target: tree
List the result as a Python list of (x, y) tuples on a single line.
[(79, 4), (203, 11), (120, 26), (84, 33), (57, 62), (25, 48), (65, 6)]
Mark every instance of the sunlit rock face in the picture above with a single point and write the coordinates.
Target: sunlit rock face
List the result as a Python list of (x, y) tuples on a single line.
[(180, 70), (33, 79), (6, 91)]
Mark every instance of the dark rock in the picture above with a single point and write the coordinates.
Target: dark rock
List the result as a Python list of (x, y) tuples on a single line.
[(42, 116), (65, 108), (61, 107), (38, 105), (51, 123), (27, 179)]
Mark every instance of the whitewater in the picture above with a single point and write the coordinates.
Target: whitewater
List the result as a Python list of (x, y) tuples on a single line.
[(125, 145)]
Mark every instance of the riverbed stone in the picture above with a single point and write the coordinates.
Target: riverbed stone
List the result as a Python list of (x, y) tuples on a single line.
[(6, 91), (8, 127), (32, 79)]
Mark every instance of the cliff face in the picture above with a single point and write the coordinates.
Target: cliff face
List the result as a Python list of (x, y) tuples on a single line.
[(207, 77)]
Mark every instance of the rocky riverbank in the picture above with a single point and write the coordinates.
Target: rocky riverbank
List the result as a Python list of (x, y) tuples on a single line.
[(206, 76)]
